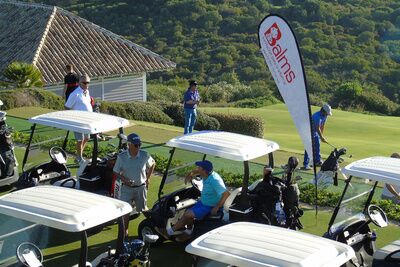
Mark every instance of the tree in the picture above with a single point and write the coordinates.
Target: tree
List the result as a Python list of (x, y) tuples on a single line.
[(22, 75)]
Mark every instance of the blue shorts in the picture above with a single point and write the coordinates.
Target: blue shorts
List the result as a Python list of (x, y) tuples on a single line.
[(200, 210)]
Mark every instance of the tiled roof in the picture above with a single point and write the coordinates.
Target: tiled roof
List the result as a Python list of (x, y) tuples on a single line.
[(51, 37)]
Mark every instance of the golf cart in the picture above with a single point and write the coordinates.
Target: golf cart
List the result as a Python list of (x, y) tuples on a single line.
[(8, 161), (94, 175), (71, 211), (354, 212), (248, 244), (229, 151)]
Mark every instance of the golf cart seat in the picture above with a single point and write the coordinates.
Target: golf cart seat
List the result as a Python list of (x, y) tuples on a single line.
[(388, 256)]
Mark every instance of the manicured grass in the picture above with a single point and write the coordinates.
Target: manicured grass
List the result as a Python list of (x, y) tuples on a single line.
[(363, 135)]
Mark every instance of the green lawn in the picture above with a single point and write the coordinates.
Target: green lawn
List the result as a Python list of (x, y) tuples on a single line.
[(62, 250), (363, 135)]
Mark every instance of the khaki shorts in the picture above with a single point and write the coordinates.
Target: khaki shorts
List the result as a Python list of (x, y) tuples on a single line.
[(135, 196)]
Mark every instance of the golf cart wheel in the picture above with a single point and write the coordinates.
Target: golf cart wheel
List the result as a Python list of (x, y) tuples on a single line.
[(146, 227)]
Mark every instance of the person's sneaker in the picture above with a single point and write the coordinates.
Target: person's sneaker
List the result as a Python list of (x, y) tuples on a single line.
[(306, 168), (318, 164), (188, 231)]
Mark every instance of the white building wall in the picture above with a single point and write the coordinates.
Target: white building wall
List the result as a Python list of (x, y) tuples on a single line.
[(121, 89)]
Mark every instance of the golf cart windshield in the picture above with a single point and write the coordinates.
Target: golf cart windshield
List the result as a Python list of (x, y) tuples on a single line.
[(231, 171), (354, 201), (229, 152), (363, 178)]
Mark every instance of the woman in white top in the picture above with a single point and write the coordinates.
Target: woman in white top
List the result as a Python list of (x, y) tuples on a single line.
[(392, 192)]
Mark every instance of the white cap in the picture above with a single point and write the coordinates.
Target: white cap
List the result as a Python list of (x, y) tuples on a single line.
[(327, 109)]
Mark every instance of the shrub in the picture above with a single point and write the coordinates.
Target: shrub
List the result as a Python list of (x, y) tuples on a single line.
[(141, 111), (31, 97), (204, 122), (248, 125), (22, 75), (159, 92), (256, 102), (376, 102), (325, 198)]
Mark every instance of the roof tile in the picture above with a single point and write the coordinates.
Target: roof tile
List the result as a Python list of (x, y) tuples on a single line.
[(69, 39)]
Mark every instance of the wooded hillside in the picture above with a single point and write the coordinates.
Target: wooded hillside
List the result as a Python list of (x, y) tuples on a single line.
[(351, 48)]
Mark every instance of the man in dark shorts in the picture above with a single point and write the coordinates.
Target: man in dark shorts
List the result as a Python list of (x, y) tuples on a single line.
[(71, 81)]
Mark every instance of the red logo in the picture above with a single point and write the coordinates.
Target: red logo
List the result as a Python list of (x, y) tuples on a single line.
[(273, 34)]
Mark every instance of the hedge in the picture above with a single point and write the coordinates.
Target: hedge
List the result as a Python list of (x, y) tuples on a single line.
[(141, 111), (175, 111), (248, 125), (257, 102), (31, 97)]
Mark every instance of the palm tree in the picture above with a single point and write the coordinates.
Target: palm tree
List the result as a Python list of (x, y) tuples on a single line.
[(22, 75)]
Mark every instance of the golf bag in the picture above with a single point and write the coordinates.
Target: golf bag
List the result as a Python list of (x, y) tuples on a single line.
[(7, 159), (291, 196), (275, 201), (328, 172), (264, 199)]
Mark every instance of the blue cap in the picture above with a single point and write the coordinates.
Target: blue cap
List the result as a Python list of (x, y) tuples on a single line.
[(206, 165), (134, 139)]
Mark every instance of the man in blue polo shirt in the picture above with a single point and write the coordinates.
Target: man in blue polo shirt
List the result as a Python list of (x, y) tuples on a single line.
[(191, 99), (318, 123), (212, 198)]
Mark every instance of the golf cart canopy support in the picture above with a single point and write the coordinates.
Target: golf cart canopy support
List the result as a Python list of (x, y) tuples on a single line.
[(226, 145), (380, 169), (251, 244)]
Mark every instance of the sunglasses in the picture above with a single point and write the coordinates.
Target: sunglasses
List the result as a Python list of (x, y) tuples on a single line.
[(136, 145), (85, 82)]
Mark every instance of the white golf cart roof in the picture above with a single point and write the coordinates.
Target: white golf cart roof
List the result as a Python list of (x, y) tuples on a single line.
[(81, 121), (62, 208), (381, 169), (226, 145), (250, 244)]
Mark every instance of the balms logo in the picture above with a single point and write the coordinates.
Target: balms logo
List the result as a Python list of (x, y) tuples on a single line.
[(273, 35)]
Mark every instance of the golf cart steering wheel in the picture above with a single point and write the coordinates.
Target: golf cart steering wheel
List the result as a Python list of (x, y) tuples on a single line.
[(377, 216), (29, 254), (197, 183), (58, 155)]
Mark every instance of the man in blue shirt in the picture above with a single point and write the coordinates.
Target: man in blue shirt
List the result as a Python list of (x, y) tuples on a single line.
[(212, 198), (318, 123), (191, 99)]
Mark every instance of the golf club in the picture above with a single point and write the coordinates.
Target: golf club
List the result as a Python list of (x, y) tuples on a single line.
[(330, 144)]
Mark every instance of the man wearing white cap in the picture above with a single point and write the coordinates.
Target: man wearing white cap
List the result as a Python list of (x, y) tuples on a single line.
[(318, 123)]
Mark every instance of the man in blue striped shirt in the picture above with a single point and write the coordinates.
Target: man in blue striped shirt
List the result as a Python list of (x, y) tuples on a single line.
[(191, 99)]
